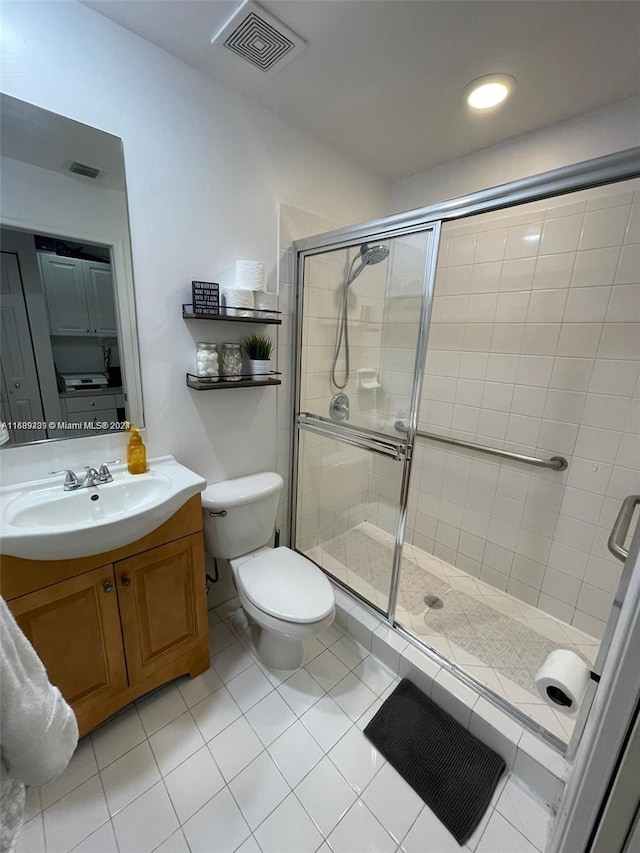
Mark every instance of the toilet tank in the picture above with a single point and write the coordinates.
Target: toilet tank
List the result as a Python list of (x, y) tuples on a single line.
[(250, 504)]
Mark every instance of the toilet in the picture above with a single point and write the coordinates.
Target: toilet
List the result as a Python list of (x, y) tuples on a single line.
[(282, 593)]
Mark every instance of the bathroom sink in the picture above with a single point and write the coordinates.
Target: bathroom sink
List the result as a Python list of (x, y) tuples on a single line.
[(40, 521)]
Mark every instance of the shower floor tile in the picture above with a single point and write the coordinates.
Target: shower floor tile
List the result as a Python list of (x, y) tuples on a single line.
[(493, 636)]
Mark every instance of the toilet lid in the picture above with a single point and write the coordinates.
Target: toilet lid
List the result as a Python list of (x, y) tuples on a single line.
[(286, 585)]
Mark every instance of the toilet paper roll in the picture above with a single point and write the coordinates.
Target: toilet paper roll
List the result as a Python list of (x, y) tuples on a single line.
[(562, 680), (266, 302), (250, 275), (239, 302)]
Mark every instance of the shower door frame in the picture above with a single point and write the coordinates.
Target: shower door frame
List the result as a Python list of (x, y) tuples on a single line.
[(605, 170), (375, 442)]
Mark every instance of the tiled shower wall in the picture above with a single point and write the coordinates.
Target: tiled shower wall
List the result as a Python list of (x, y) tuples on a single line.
[(534, 346)]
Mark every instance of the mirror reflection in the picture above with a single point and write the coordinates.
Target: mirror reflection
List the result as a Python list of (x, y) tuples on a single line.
[(68, 348)]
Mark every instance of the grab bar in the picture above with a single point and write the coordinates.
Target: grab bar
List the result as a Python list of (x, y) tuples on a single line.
[(558, 463), (621, 527)]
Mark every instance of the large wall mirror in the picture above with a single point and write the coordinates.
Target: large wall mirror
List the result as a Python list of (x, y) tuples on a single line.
[(69, 362)]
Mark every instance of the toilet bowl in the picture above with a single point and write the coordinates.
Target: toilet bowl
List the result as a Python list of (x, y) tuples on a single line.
[(283, 594)]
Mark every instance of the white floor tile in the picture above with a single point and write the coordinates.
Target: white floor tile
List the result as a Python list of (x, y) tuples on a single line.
[(196, 689), (393, 802), (259, 789), (162, 707), (360, 824), (31, 838), (32, 803), (235, 747), (103, 840), (376, 676), (218, 827), (176, 843), (288, 829), (427, 826), (525, 813), (348, 651), (327, 669), (331, 635), (501, 837), (78, 814), (249, 687), (128, 777), (81, 767), (353, 696), (220, 637), (146, 822), (300, 691), (249, 846), (357, 759), (117, 736), (326, 722), (270, 717), (325, 795), (312, 648), (215, 713), (231, 661), (295, 752), (193, 783), (176, 742)]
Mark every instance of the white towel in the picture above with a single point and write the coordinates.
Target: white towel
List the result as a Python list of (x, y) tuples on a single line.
[(38, 730)]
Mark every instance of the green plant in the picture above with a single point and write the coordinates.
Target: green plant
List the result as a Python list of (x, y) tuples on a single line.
[(258, 347)]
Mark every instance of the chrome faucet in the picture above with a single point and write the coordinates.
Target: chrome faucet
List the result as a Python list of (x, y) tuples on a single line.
[(91, 477)]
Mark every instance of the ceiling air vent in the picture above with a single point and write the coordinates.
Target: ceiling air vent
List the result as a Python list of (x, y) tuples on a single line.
[(82, 169), (259, 37)]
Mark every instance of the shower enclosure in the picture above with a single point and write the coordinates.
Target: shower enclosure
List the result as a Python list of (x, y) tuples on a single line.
[(467, 419)]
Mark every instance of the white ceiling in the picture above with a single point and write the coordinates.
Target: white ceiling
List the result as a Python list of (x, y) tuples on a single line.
[(42, 138), (382, 80)]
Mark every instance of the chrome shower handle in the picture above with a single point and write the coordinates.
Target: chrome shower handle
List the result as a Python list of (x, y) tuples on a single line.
[(621, 527)]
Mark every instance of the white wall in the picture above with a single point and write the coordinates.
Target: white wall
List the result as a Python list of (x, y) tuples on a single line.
[(594, 134), (205, 170)]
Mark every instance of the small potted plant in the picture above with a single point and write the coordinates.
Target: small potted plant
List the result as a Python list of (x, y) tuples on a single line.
[(258, 349)]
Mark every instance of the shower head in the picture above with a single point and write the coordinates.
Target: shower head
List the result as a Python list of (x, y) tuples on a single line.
[(369, 255), (373, 254)]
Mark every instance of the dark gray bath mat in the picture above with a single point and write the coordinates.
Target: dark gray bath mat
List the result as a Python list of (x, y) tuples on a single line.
[(453, 772)]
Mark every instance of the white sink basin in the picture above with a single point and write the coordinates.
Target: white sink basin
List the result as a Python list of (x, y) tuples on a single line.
[(40, 521)]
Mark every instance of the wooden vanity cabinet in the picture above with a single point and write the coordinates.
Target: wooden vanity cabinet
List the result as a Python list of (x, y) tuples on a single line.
[(109, 633)]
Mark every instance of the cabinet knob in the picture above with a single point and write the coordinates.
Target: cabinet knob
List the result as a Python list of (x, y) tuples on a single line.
[(87, 331), (106, 586), (92, 403), (17, 385), (94, 331), (125, 581)]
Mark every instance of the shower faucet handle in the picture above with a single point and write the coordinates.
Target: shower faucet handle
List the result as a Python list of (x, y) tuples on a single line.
[(339, 407)]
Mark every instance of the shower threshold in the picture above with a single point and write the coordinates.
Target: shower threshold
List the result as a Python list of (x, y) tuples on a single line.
[(497, 639)]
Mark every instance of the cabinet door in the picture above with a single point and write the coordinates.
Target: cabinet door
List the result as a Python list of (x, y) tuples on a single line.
[(163, 607), (100, 298), (66, 295), (74, 626)]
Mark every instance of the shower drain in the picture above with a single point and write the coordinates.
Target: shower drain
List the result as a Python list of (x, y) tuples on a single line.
[(433, 602)]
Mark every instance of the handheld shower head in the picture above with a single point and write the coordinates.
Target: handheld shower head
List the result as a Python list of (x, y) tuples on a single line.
[(369, 255)]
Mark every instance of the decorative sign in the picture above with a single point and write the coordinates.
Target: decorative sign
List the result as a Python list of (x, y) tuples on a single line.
[(205, 297)]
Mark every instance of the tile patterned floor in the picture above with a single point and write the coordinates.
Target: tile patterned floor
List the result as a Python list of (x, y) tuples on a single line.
[(368, 573), (240, 760)]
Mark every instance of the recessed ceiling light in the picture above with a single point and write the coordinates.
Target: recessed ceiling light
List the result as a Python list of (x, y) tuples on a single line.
[(489, 91)]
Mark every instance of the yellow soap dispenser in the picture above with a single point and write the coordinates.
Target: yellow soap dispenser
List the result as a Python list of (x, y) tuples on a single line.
[(136, 452)]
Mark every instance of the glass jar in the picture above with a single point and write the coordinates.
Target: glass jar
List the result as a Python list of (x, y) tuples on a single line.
[(207, 366), (231, 363)]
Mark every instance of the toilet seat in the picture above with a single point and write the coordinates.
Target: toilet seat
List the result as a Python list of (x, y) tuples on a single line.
[(286, 586)]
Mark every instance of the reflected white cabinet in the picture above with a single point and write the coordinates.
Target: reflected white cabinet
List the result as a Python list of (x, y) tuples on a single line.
[(80, 297)]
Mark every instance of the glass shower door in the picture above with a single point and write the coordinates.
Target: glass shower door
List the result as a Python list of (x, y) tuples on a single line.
[(362, 314)]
